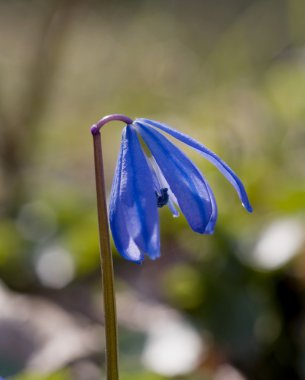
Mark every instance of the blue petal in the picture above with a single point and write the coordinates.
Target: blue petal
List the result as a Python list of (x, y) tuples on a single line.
[(160, 182), (211, 225), (209, 155), (185, 180), (133, 211)]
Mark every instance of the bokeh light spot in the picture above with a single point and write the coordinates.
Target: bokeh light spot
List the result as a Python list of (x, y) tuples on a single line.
[(55, 267)]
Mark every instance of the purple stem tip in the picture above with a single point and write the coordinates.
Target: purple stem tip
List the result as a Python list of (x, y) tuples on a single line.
[(95, 129)]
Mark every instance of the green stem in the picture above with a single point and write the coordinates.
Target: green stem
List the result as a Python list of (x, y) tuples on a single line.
[(105, 249), (106, 264)]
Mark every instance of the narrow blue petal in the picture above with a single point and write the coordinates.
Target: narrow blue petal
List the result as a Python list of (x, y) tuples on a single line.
[(185, 180), (160, 182), (122, 239), (132, 211), (209, 155), (211, 225)]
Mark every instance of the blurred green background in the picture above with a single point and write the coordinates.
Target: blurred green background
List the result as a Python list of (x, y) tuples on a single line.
[(229, 306)]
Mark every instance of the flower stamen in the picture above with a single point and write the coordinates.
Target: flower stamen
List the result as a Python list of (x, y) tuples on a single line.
[(162, 199)]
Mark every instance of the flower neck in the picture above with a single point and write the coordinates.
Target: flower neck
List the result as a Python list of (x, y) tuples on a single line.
[(95, 129)]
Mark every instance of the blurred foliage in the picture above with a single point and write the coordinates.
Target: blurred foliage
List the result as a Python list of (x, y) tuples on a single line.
[(231, 74), (63, 375)]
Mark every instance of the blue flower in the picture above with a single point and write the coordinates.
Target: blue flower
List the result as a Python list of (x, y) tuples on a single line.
[(152, 172)]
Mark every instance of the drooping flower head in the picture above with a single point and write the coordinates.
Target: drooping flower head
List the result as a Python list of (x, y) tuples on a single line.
[(152, 172)]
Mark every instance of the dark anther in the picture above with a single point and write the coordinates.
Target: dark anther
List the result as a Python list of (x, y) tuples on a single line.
[(163, 198)]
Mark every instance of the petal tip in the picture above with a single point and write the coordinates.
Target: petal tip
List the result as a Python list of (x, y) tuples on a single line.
[(154, 255), (153, 258), (248, 207), (139, 262), (132, 259), (209, 231)]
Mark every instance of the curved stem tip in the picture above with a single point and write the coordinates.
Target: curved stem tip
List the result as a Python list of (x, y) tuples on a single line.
[(95, 129)]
